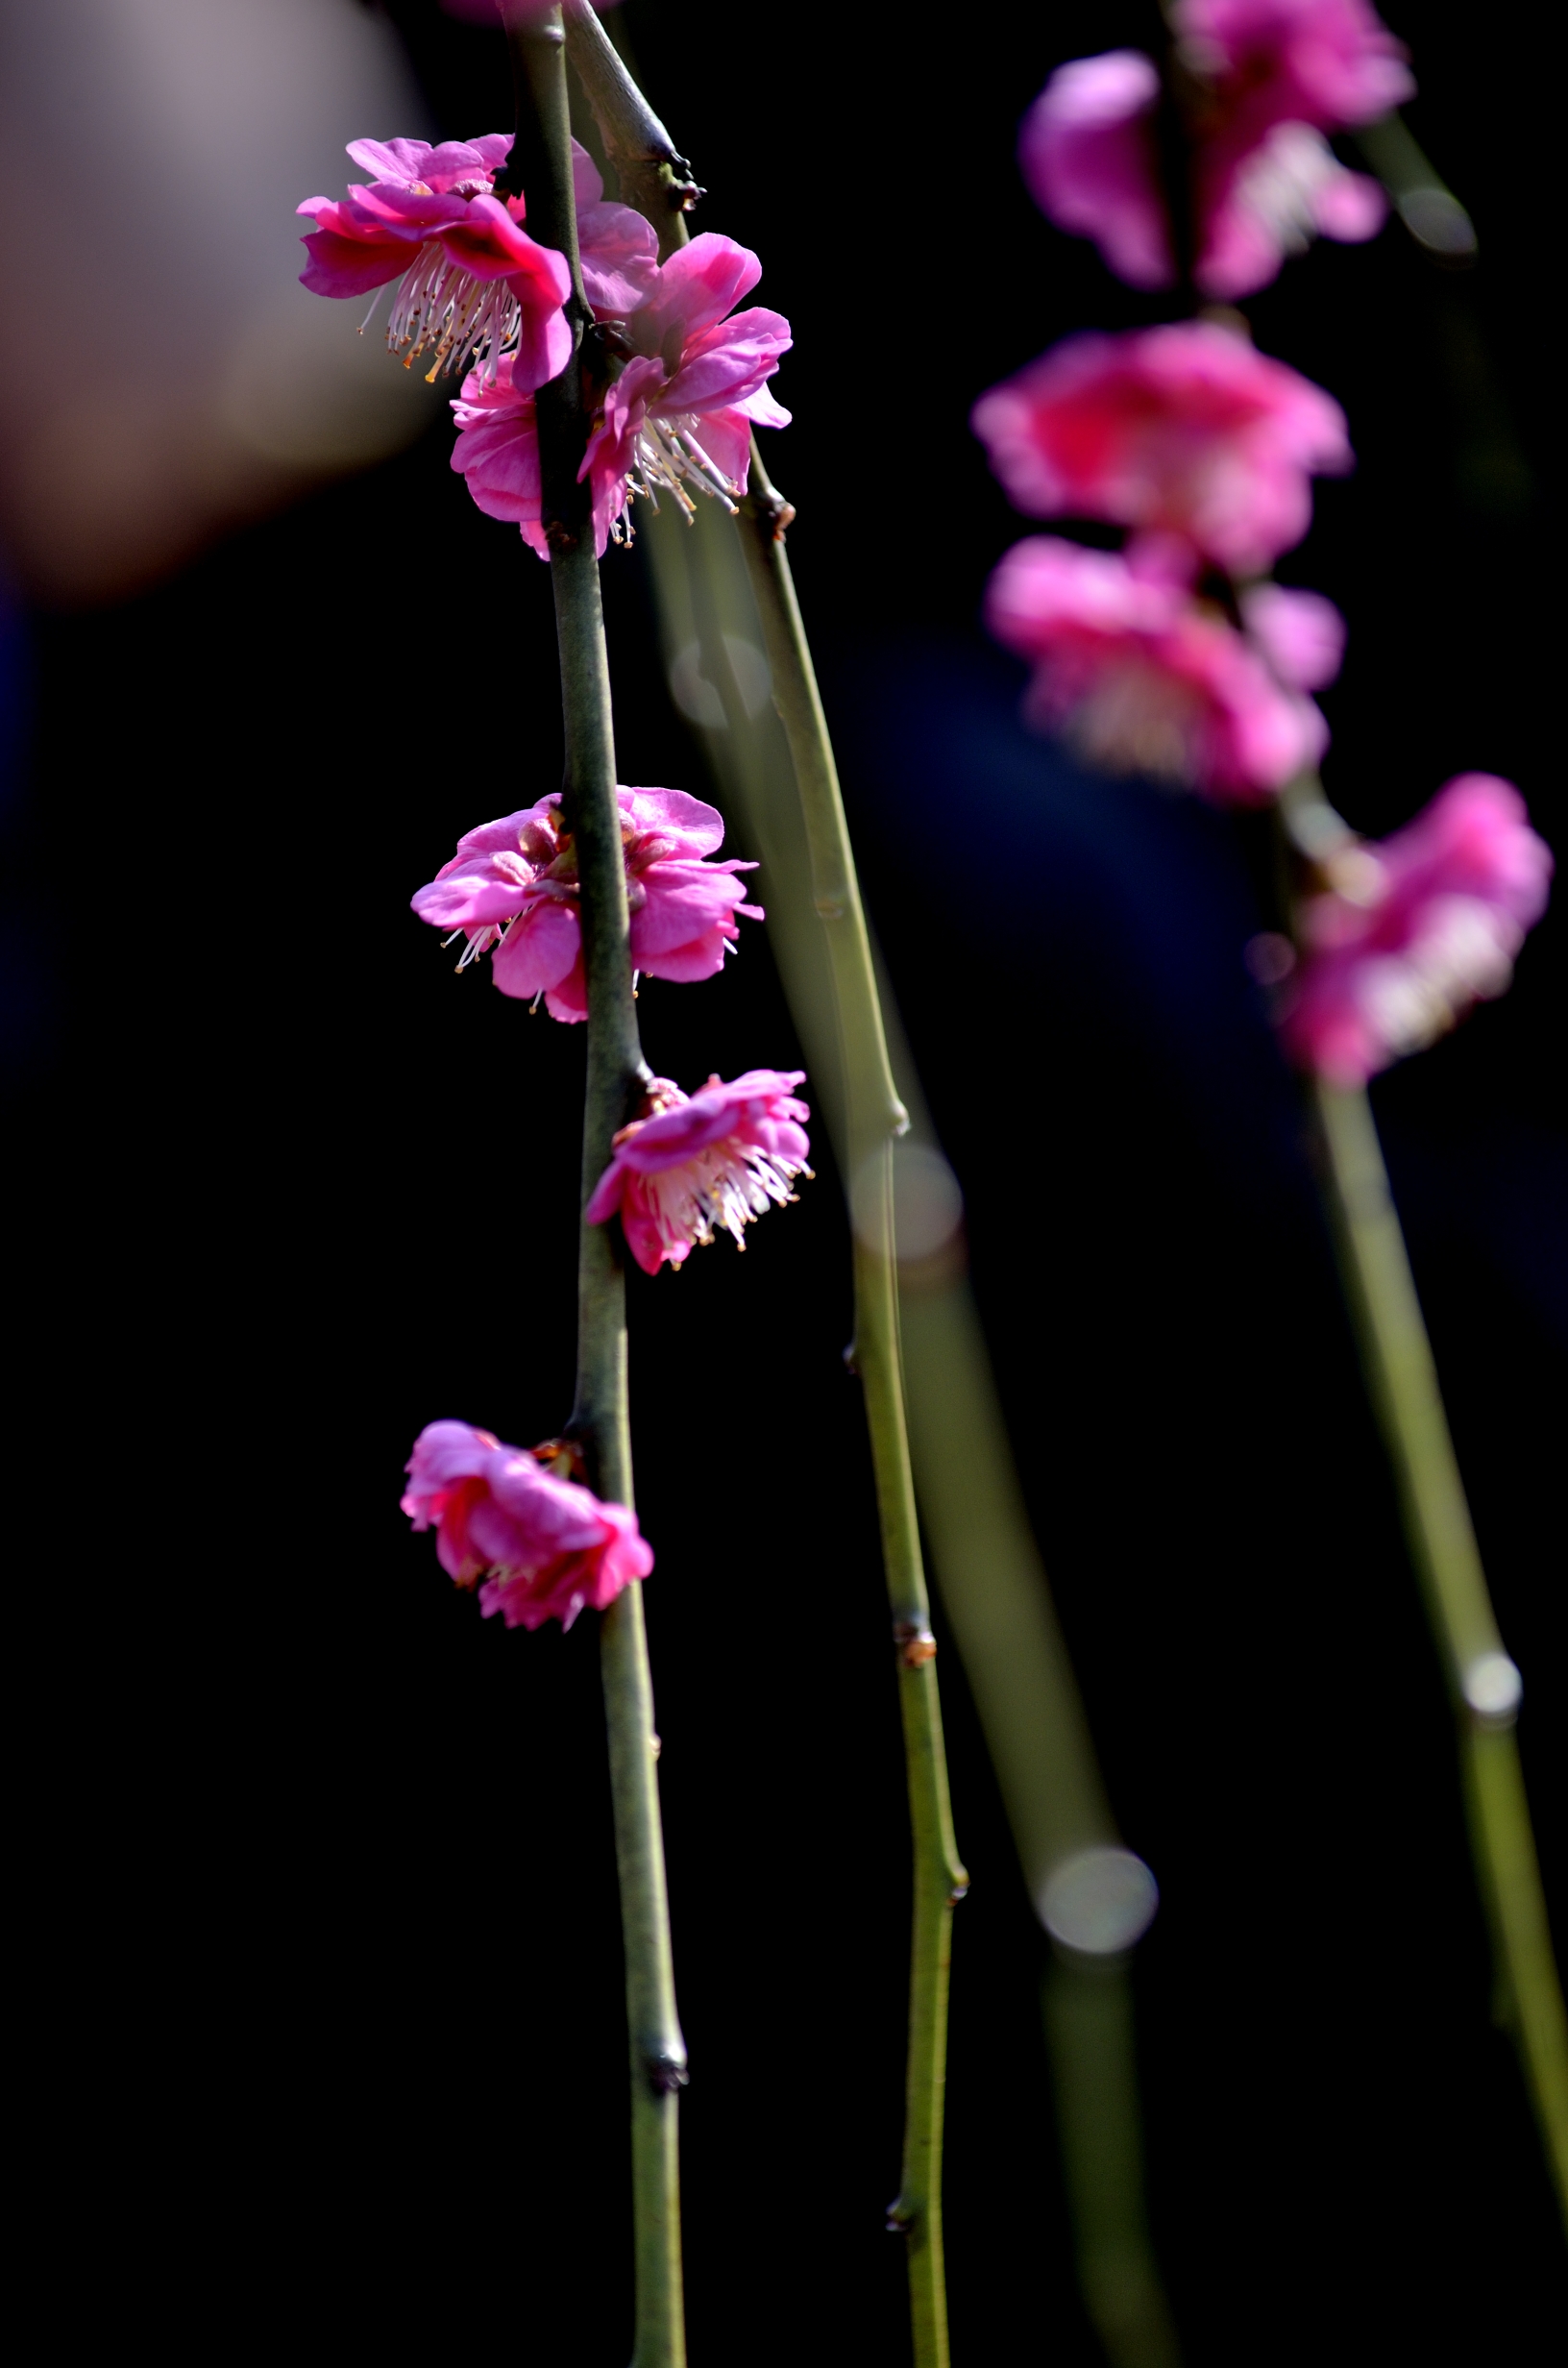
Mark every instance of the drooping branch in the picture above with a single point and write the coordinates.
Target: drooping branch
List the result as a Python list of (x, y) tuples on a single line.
[(600, 1423), (874, 1117)]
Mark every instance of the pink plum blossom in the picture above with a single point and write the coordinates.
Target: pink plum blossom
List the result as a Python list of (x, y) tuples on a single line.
[(1261, 80), (677, 418), (716, 1159), (1416, 929), (1141, 678), (1087, 152), (544, 1548), (472, 282), (1186, 429), (513, 885)]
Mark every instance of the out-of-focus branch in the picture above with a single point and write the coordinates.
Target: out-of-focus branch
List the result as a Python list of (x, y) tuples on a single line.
[(653, 176), (1423, 201), (1483, 1682)]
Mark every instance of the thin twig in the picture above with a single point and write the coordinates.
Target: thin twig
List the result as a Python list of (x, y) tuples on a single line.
[(1483, 1683), (616, 1069), (874, 1117)]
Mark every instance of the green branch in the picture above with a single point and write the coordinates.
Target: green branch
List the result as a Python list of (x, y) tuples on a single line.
[(616, 1069), (641, 152), (874, 1117)]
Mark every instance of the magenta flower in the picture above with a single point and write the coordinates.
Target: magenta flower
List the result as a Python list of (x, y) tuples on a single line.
[(1086, 150), (1414, 930), (512, 885), (678, 419), (716, 1160), (1141, 678), (1185, 429), (471, 281), (1263, 80), (544, 1548)]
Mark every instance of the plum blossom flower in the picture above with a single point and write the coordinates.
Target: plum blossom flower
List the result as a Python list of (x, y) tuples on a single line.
[(1139, 676), (1414, 930), (1185, 430), (1261, 82), (512, 885), (544, 1548), (679, 417), (470, 280), (1086, 152), (717, 1158)]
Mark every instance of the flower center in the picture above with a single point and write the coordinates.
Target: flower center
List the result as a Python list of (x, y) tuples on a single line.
[(1137, 719), (441, 306), (670, 459), (722, 1187)]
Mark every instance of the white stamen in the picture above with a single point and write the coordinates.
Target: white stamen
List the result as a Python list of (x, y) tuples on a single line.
[(441, 306), (722, 1189), (479, 940), (670, 459)]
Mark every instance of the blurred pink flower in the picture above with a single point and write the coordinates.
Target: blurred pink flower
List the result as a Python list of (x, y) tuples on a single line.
[(472, 282), (1262, 81), (717, 1159), (1087, 152), (1416, 929), (1186, 428), (679, 417), (513, 885), (1141, 678), (544, 1548)]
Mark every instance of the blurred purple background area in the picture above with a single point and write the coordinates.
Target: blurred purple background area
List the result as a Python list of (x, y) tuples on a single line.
[(324, 1865)]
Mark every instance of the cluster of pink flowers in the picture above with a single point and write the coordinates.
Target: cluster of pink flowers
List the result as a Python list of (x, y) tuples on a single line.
[(1206, 450), (1414, 930), (689, 374), (1259, 82), (545, 1548), (1175, 659), (512, 887), (678, 419), (686, 386)]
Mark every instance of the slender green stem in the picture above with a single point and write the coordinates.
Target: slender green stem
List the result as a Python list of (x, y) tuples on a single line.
[(644, 161), (874, 1117), (1483, 1680), (542, 160)]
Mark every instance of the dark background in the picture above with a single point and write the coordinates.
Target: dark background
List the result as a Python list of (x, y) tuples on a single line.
[(328, 1894)]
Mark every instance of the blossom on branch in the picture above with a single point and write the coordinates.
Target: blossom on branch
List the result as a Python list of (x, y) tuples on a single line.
[(678, 419), (1185, 429), (544, 1548), (513, 886), (1139, 677), (715, 1159), (1414, 930), (471, 282), (1260, 81)]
